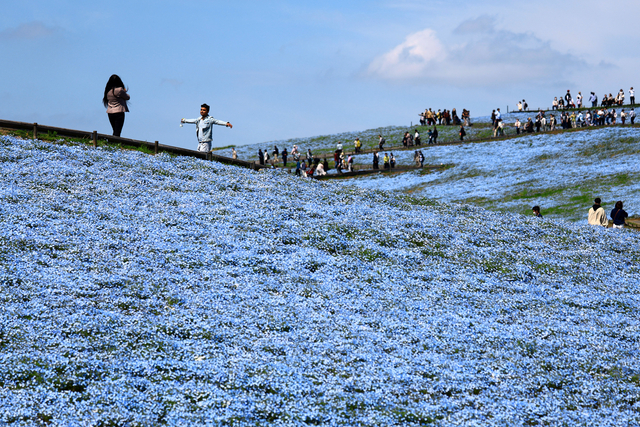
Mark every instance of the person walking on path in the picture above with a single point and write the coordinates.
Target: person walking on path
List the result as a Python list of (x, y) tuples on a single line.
[(284, 157), (381, 142), (596, 215), (435, 134), (204, 127), (618, 215), (632, 96), (462, 133), (115, 100), (376, 160)]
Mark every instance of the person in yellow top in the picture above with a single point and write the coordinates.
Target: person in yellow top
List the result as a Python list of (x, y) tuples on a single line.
[(357, 144), (386, 159)]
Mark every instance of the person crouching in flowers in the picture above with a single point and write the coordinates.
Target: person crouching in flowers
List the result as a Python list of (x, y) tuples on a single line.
[(204, 125)]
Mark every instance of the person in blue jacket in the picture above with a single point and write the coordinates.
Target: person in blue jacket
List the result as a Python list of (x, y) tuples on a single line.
[(618, 215)]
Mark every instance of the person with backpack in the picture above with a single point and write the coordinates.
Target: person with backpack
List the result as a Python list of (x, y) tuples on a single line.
[(618, 215), (381, 142)]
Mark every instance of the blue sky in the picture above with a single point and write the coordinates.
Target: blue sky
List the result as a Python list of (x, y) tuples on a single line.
[(282, 69)]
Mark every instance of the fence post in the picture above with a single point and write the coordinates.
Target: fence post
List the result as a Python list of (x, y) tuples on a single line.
[(35, 131), (155, 147), (95, 138)]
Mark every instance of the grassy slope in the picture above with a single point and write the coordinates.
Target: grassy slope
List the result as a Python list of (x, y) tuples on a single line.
[(140, 290)]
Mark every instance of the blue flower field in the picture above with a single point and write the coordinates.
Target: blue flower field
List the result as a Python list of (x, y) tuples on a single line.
[(142, 290)]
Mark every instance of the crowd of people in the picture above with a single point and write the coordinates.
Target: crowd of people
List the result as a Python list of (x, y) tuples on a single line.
[(444, 117), (600, 116), (568, 101)]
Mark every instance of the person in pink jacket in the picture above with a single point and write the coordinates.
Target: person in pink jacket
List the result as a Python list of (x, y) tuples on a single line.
[(115, 100)]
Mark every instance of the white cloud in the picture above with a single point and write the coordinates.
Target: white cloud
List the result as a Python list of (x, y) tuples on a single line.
[(483, 56), (409, 59)]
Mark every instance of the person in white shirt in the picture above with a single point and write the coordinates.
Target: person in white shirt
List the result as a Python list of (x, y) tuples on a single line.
[(579, 98), (632, 96)]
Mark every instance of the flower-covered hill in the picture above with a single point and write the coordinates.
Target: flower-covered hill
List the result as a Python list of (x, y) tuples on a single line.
[(141, 290)]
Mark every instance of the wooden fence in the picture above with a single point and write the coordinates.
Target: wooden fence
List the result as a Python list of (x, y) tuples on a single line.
[(94, 136)]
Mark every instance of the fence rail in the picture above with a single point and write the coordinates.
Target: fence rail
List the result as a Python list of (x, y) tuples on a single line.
[(110, 139)]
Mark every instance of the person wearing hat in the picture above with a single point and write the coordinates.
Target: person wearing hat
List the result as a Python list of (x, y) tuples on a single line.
[(204, 127)]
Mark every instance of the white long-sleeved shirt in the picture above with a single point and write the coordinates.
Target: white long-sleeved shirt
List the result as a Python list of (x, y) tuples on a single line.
[(204, 127)]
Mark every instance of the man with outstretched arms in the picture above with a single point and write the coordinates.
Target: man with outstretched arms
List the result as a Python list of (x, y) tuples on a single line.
[(204, 127)]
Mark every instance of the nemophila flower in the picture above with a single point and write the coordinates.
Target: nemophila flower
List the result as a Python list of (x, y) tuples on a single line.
[(539, 169), (145, 290)]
